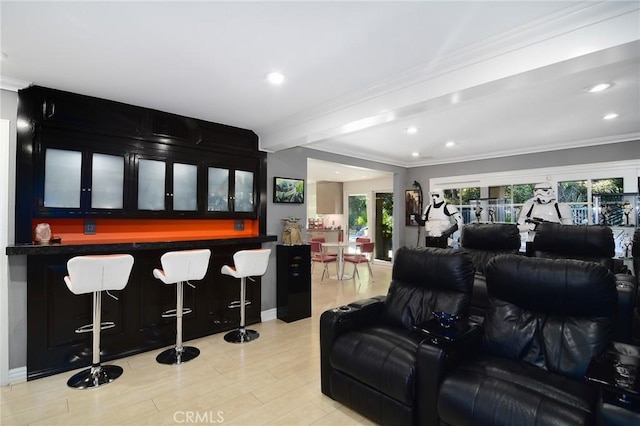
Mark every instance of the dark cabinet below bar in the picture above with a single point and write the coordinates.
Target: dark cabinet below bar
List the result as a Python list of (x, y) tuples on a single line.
[(54, 313), (294, 282)]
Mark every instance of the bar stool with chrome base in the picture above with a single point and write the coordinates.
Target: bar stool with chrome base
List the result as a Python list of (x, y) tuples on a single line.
[(93, 274), (248, 263), (178, 267)]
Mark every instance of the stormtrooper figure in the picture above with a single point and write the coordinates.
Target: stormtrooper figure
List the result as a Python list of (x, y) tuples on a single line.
[(440, 220), (543, 207)]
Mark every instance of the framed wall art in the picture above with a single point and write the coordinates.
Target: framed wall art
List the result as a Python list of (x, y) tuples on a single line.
[(288, 190), (412, 205)]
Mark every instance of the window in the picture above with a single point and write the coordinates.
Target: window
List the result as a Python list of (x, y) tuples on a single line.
[(501, 204), (585, 188), (607, 201), (464, 199), (575, 193)]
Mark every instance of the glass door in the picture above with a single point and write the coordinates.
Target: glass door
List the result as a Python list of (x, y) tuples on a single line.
[(358, 225), (384, 225)]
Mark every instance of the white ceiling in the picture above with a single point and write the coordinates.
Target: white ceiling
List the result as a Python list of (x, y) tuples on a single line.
[(495, 77)]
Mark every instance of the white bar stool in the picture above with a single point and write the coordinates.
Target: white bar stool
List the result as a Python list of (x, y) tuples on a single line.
[(248, 263), (178, 267), (93, 274)]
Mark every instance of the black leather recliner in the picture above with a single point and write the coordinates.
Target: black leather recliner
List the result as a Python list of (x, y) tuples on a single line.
[(370, 357), (593, 243), (546, 319), (484, 241)]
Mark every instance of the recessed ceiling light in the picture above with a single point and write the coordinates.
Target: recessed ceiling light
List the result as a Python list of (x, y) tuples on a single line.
[(22, 124), (450, 144), (610, 116), (275, 78), (415, 154), (411, 130), (598, 87)]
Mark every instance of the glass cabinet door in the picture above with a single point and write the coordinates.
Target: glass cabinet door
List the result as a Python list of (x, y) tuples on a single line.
[(62, 178), (185, 187), (107, 181), (151, 185), (243, 195), (218, 190)]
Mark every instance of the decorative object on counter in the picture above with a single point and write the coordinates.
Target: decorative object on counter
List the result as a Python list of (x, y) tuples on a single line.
[(288, 190), (627, 208), (604, 214), (492, 215), (292, 232), (625, 244), (478, 210), (43, 233)]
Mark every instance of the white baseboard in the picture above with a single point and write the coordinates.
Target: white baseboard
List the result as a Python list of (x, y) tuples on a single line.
[(17, 375), (269, 315)]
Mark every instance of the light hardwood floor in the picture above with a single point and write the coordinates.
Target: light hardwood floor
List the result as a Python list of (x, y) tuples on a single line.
[(274, 380)]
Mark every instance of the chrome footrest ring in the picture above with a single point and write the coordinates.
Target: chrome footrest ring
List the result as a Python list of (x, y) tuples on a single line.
[(237, 303), (172, 312), (88, 328)]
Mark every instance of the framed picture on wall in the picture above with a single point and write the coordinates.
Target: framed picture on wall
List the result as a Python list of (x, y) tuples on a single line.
[(288, 190), (412, 205)]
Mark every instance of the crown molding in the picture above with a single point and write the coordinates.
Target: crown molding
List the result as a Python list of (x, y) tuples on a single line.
[(554, 38), (12, 84)]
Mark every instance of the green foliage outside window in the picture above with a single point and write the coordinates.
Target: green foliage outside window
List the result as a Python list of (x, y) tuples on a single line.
[(469, 194), (521, 193), (387, 215), (357, 212), (574, 191), (607, 186)]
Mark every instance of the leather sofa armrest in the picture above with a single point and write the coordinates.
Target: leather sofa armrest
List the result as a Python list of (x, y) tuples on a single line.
[(627, 286), (340, 320), (435, 358)]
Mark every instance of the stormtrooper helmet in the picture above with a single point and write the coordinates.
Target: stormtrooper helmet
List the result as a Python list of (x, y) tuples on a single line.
[(543, 193), (437, 197)]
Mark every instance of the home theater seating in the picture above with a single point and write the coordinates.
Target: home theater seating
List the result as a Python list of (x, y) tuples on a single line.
[(532, 327), (484, 241), (592, 243)]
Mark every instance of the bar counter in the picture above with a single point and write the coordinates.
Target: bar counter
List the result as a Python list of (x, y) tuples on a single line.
[(54, 313), (124, 246)]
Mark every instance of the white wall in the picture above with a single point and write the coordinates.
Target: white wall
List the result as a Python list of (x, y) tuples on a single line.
[(4, 261), (14, 343), (368, 188)]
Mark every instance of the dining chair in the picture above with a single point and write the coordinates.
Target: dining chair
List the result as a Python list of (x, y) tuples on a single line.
[(364, 254), (319, 256)]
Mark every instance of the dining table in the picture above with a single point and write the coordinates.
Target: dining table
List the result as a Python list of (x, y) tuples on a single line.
[(341, 245)]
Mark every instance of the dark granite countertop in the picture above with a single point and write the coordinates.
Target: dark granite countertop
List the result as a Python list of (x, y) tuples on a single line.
[(119, 247)]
